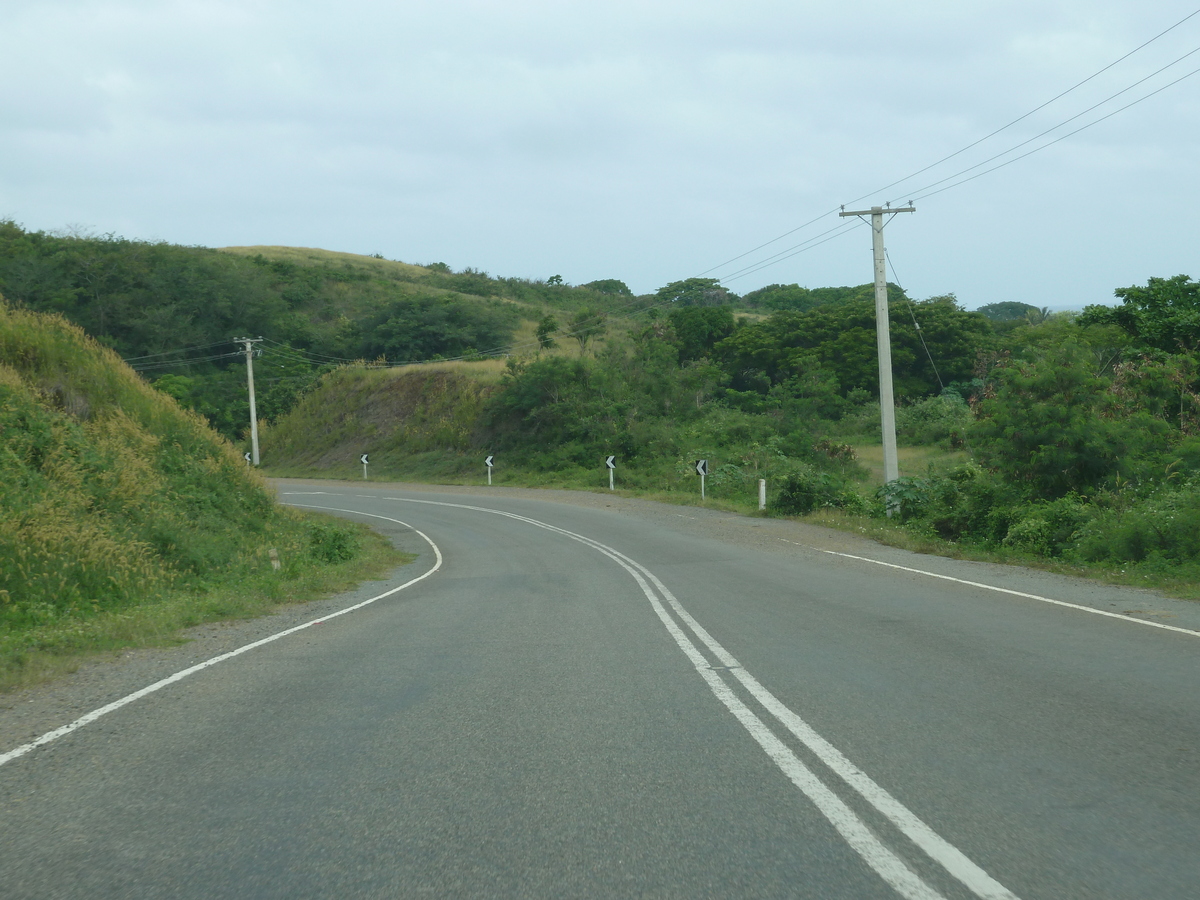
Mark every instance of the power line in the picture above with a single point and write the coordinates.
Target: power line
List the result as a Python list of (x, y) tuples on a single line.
[(1068, 121), (181, 362), (763, 264), (917, 325), (745, 270), (130, 359), (1028, 114), (1056, 140), (760, 266)]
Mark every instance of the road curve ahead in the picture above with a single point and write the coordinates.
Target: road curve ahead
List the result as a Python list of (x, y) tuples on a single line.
[(605, 698)]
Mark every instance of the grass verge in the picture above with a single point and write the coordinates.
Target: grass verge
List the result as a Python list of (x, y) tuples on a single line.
[(29, 655)]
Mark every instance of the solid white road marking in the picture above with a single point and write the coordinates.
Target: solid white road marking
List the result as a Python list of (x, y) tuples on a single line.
[(857, 834), (991, 587), (95, 714)]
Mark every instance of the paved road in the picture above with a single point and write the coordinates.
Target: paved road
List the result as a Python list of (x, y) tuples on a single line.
[(642, 701)]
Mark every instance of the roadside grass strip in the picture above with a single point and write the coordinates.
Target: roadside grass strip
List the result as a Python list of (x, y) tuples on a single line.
[(882, 859), (95, 714)]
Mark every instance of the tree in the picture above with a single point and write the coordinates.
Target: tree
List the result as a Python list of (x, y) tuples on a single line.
[(1007, 311), (1165, 314), (1053, 426), (840, 338), (699, 328), (610, 286), (587, 325), (545, 330), (554, 279), (800, 299), (694, 292)]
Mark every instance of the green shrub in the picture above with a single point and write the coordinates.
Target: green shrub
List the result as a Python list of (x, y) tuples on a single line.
[(806, 489), (1165, 524), (1049, 528), (332, 543), (941, 420)]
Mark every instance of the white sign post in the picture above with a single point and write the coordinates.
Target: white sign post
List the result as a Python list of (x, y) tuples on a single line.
[(489, 462), (762, 493), (363, 460), (611, 462), (702, 470), (247, 457)]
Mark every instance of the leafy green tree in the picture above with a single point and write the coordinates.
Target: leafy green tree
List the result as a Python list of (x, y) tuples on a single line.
[(421, 328), (840, 338), (610, 286), (1007, 311), (554, 279), (699, 328), (800, 299), (1053, 426), (587, 325), (695, 292), (1165, 314), (545, 332)]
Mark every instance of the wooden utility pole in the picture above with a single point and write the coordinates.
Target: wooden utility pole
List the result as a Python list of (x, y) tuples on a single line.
[(248, 344), (883, 339)]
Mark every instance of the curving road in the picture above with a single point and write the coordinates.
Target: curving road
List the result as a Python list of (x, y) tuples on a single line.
[(585, 696)]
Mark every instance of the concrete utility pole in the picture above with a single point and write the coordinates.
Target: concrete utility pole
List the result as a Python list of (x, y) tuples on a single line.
[(249, 343), (883, 338)]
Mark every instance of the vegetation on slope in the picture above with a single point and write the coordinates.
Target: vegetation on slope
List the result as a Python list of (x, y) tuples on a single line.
[(1066, 438), (116, 502), (172, 311), (1069, 437)]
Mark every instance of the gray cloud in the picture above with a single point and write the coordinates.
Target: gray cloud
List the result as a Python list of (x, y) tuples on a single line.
[(646, 142)]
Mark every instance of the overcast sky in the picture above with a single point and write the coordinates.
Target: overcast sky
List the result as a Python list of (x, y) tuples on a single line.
[(646, 141)]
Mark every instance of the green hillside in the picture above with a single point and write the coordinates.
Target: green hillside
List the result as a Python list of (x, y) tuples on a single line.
[(117, 502), (172, 311)]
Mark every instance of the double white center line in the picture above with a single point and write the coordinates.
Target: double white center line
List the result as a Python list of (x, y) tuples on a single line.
[(886, 862)]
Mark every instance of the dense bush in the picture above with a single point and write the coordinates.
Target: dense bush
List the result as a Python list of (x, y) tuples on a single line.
[(942, 420)]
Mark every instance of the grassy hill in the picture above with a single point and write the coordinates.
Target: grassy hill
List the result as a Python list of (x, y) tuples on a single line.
[(172, 311), (125, 516)]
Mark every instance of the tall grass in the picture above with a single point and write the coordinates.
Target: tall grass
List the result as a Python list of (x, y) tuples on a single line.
[(114, 498)]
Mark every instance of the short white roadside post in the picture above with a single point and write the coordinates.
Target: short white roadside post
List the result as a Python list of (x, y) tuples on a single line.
[(702, 470), (762, 493), (611, 462), (363, 460), (489, 462), (246, 455)]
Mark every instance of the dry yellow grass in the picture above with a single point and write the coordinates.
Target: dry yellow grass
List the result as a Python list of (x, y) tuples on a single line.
[(486, 370), (310, 255)]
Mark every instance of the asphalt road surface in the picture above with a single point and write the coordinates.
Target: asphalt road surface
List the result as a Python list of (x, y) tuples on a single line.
[(593, 697)]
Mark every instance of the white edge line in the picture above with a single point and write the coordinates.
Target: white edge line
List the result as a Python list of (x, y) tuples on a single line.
[(991, 587), (95, 714)]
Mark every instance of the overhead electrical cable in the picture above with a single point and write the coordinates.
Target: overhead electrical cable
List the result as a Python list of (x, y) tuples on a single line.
[(788, 253), (130, 359), (1056, 140), (917, 325), (967, 147), (760, 267), (170, 364), (1021, 118), (1094, 106), (310, 353)]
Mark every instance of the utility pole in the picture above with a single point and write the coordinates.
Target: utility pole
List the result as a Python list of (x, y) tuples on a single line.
[(248, 344), (883, 338)]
